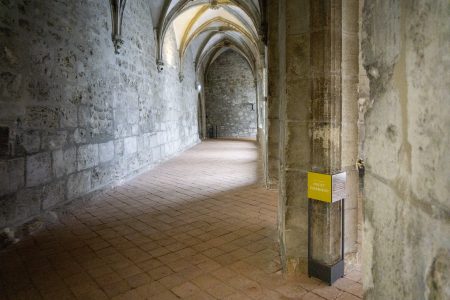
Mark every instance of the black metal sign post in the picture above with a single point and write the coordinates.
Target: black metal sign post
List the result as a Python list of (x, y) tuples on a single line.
[(328, 274), (330, 189)]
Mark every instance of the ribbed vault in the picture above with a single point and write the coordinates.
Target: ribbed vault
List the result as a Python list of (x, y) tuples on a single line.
[(206, 26)]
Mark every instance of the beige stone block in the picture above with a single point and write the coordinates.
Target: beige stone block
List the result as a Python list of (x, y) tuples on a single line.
[(296, 217), (349, 100), (320, 14), (273, 107), (326, 147), (350, 16), (297, 56), (296, 242), (351, 230), (350, 67), (297, 16), (296, 189), (351, 189), (384, 136), (297, 147), (274, 130), (320, 55), (349, 154), (298, 102)]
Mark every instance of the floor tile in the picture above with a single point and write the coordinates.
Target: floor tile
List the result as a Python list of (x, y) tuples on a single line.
[(198, 226)]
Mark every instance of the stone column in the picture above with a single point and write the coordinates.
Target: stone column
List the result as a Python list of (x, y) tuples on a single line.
[(273, 123), (201, 80), (349, 129), (325, 126), (294, 92), (312, 80)]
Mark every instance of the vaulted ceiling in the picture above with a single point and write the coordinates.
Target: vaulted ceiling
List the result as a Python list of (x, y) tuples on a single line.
[(209, 27)]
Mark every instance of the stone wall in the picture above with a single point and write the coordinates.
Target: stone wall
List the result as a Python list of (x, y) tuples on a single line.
[(407, 208), (230, 96), (75, 117)]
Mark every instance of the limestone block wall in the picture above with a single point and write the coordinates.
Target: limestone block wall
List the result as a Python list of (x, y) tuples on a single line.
[(406, 241), (74, 116), (230, 96)]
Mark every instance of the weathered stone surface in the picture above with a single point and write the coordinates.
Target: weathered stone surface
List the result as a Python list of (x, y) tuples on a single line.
[(87, 156), (230, 96), (438, 278), (53, 140), (8, 205), (64, 161), (28, 203), (65, 91), (4, 183), (106, 151), (406, 209), (41, 117), (54, 194), (273, 95), (316, 87), (119, 147), (80, 135), (102, 175), (12, 174), (30, 140), (78, 184), (39, 169), (130, 145), (297, 154)]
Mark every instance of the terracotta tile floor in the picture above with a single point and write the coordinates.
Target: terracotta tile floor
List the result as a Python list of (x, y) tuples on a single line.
[(199, 226)]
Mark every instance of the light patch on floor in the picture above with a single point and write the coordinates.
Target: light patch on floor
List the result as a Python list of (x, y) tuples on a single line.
[(199, 226)]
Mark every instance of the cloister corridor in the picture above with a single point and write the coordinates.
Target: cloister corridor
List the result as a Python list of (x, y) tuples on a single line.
[(199, 226)]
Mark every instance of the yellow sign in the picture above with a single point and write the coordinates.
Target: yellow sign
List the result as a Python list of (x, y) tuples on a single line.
[(319, 187)]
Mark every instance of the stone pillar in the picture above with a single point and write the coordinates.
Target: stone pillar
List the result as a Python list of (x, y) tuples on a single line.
[(349, 132), (204, 129), (313, 77), (273, 123), (294, 92), (260, 101), (326, 96)]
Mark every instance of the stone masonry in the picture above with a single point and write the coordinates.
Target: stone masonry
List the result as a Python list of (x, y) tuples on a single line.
[(313, 104), (94, 94), (231, 96), (406, 246), (78, 116)]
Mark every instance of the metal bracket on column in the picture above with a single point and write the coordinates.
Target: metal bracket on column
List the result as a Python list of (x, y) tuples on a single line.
[(181, 76), (117, 8), (160, 65), (326, 273)]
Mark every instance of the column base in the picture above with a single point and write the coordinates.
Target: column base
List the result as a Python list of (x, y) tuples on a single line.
[(325, 273)]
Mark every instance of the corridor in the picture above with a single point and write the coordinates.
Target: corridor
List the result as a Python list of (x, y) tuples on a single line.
[(199, 226)]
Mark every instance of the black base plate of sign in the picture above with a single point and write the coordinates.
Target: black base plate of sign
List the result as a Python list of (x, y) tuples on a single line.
[(325, 273)]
